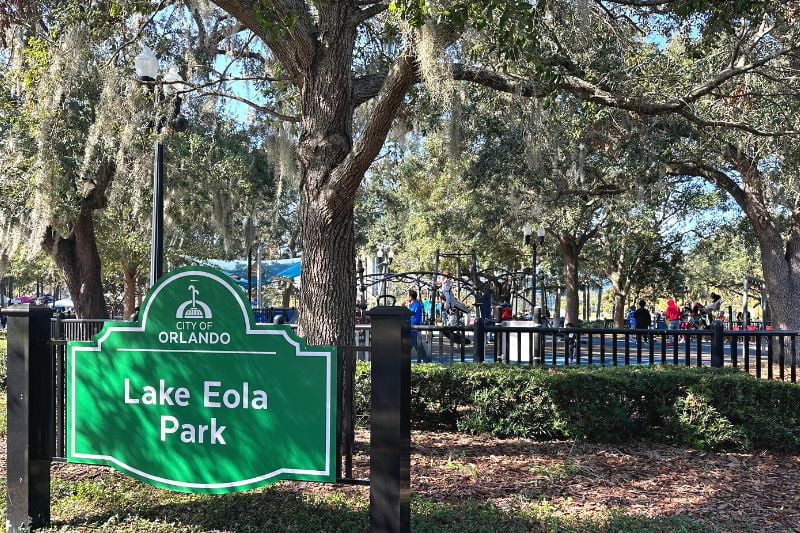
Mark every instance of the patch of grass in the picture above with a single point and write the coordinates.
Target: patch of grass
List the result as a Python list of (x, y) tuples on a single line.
[(470, 469), (122, 504), (556, 472)]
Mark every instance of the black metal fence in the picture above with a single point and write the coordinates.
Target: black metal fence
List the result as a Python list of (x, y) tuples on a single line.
[(769, 354), (62, 331), (766, 354)]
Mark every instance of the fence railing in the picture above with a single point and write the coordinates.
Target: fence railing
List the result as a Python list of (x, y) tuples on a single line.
[(766, 354), (770, 354)]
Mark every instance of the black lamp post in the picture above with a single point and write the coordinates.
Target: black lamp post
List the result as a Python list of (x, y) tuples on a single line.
[(527, 231), (385, 263), (361, 287), (146, 66)]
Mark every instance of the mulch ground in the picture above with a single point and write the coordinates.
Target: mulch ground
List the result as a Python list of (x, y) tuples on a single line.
[(760, 489)]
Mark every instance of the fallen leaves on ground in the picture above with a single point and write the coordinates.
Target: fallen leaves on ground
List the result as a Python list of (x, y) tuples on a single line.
[(760, 489)]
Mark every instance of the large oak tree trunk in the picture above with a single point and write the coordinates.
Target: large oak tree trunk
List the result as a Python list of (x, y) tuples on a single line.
[(621, 289), (129, 301), (781, 277), (78, 259), (317, 53), (619, 308), (328, 288), (327, 293), (569, 253)]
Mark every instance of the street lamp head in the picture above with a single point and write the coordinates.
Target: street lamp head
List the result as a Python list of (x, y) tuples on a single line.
[(541, 233), (391, 255), (179, 123), (173, 82), (146, 65), (380, 253), (526, 233)]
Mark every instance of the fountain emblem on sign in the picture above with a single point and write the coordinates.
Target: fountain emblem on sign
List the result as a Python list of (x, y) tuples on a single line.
[(193, 308)]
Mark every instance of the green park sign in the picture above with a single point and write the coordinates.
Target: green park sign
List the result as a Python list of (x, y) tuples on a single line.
[(196, 397)]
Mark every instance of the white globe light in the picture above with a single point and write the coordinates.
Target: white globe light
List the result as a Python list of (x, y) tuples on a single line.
[(172, 81), (146, 64), (526, 229)]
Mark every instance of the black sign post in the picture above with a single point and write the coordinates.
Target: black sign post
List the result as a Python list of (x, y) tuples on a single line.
[(718, 345), (390, 433), (30, 417)]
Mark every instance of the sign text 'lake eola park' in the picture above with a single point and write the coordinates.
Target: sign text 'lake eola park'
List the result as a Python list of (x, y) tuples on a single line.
[(196, 397)]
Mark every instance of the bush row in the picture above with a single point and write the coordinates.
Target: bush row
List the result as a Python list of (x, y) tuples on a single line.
[(711, 409)]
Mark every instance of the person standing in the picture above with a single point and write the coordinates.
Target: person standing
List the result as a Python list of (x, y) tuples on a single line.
[(673, 315), (642, 316), (642, 319), (415, 307)]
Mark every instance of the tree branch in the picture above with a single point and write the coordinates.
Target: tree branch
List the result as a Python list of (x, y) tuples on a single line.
[(293, 53), (263, 109), (367, 87), (721, 179), (403, 74), (368, 12)]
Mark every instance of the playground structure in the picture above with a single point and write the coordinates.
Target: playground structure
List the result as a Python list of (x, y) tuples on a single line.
[(460, 289)]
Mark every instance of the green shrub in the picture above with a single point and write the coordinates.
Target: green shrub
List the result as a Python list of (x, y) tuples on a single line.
[(702, 425), (704, 408)]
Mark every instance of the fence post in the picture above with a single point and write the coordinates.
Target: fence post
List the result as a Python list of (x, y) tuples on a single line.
[(390, 432), (717, 345), (30, 417), (538, 351), (480, 340)]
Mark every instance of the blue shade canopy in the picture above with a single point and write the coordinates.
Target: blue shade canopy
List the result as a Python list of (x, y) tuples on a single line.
[(237, 268)]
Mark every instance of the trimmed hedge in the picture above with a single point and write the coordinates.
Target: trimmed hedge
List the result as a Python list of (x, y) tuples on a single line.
[(712, 409)]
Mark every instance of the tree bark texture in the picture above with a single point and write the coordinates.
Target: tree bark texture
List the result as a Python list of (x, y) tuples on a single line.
[(569, 254), (619, 308), (77, 257), (327, 294), (317, 53), (129, 300)]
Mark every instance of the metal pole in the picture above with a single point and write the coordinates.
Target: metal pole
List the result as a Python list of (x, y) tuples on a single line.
[(533, 297), (745, 321), (362, 287), (249, 277), (717, 345), (157, 217), (258, 277), (390, 435), (435, 289), (480, 338), (31, 418)]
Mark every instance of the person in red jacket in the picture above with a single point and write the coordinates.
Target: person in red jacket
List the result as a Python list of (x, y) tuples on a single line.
[(673, 315)]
